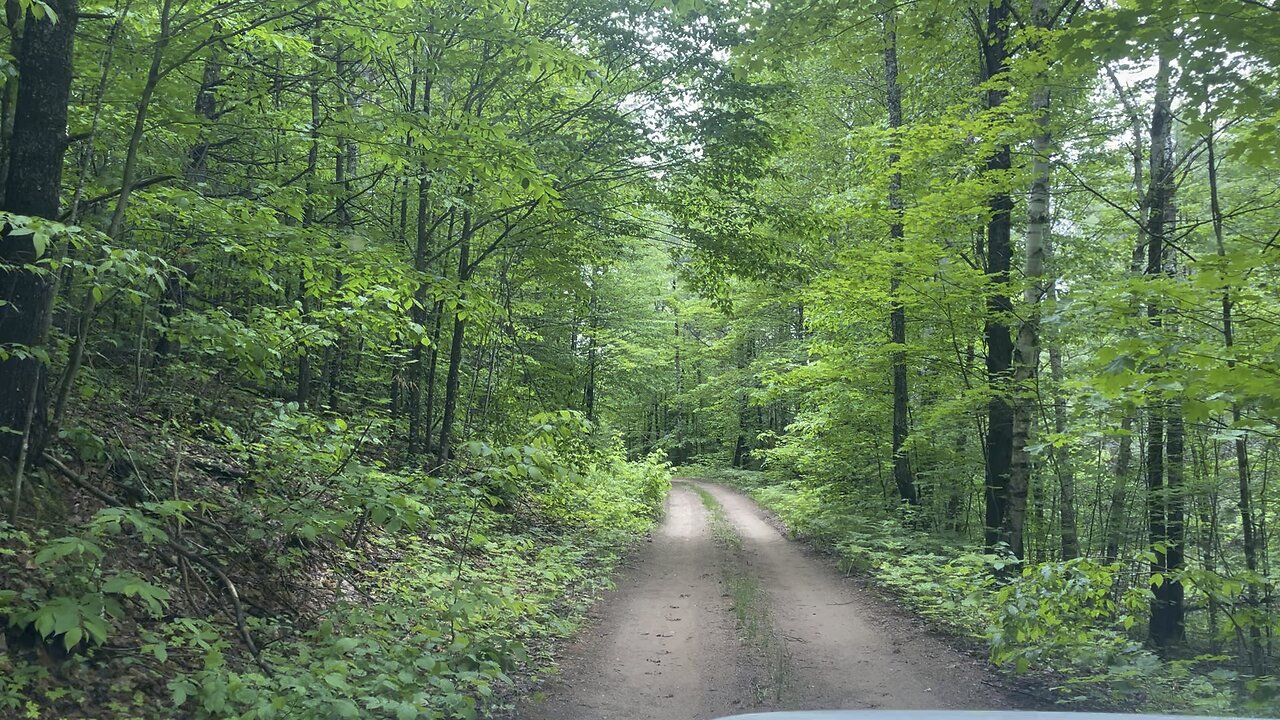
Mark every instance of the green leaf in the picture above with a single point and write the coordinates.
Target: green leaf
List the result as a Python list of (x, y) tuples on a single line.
[(181, 690), (72, 637), (66, 547), (346, 709)]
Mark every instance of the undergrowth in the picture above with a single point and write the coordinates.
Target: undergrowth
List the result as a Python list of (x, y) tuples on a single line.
[(1067, 622), (281, 568)]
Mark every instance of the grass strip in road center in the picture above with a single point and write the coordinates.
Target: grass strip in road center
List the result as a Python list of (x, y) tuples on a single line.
[(751, 606)]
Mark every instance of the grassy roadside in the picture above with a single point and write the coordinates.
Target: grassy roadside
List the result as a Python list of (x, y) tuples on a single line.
[(1044, 627), (751, 607)]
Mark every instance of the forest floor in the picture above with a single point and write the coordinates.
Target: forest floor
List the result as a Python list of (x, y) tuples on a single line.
[(719, 613)]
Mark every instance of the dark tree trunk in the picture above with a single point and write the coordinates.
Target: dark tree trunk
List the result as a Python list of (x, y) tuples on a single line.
[(305, 372), (477, 366), (1155, 497), (1115, 513), (421, 248), (33, 188), (207, 110), (902, 476), (453, 378), (492, 380), (1171, 594), (1163, 499), (346, 168), (333, 371), (433, 362), (419, 315), (303, 395), (999, 359), (1070, 534), (589, 393), (171, 305)]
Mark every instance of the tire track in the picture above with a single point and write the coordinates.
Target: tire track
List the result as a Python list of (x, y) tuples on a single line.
[(849, 651), (665, 644)]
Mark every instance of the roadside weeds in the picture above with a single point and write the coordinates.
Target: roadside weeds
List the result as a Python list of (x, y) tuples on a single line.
[(773, 659)]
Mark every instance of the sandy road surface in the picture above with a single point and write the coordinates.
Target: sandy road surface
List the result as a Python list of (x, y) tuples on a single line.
[(666, 644)]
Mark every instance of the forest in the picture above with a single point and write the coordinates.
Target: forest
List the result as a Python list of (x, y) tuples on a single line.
[(347, 349)]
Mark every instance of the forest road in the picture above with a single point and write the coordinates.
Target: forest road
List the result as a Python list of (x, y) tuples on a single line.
[(667, 644)]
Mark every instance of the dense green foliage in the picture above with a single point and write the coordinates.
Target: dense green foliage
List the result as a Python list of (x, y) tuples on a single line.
[(1066, 622), (317, 346), (395, 593), (343, 346)]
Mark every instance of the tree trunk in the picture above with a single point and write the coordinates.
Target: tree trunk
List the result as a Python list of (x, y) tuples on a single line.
[(419, 316), (452, 379), (1241, 443), (421, 249), (492, 379), (36, 148), (206, 108), (346, 168), (308, 219), (999, 358), (902, 476), (477, 367), (1026, 357), (1062, 459), (1119, 491), (589, 392), (1165, 627), (1171, 595), (433, 361)]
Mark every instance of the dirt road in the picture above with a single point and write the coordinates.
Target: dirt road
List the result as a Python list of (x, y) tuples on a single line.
[(720, 614)]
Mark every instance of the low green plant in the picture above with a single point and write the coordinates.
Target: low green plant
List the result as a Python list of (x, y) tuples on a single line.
[(437, 589), (1066, 621)]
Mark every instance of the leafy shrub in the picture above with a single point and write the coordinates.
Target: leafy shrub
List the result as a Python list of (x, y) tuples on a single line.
[(431, 591), (1057, 615), (1061, 618)]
